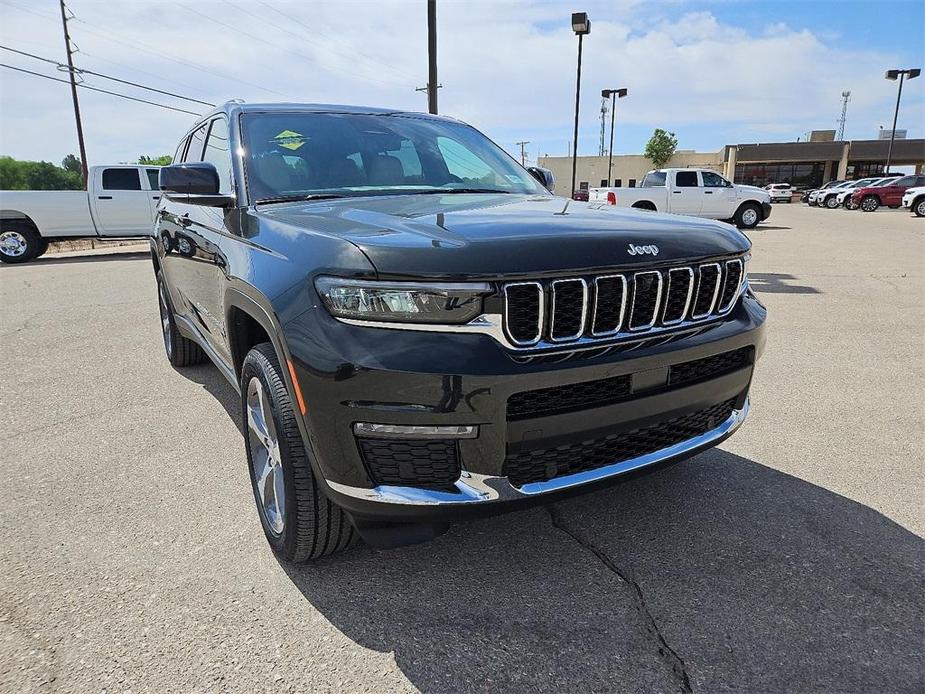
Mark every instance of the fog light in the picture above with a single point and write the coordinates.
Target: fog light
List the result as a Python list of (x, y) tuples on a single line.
[(402, 431)]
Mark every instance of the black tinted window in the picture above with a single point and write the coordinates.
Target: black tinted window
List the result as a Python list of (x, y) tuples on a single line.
[(686, 179), (197, 140), (152, 177), (121, 179), (218, 153)]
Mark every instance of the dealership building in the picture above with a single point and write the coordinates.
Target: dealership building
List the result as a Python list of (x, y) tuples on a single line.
[(804, 164)]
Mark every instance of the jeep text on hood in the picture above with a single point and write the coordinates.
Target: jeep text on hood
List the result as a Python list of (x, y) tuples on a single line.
[(419, 332)]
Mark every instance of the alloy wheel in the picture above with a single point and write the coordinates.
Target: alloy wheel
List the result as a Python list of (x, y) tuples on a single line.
[(266, 460), (749, 217), (920, 208), (13, 244)]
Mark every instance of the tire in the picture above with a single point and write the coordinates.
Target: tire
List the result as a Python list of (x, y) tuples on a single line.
[(19, 244), (181, 351), (307, 525), (43, 248), (847, 204), (748, 216), (870, 203), (831, 202), (918, 207)]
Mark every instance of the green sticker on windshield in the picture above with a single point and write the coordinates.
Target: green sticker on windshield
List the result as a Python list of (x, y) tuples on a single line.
[(289, 139)]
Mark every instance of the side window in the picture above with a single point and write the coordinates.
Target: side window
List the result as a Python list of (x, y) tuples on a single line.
[(152, 178), (181, 150), (714, 180), (121, 179), (218, 153), (197, 140), (686, 179)]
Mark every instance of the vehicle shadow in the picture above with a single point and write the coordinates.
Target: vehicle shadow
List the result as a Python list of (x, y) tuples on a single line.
[(777, 283), (72, 259), (718, 574)]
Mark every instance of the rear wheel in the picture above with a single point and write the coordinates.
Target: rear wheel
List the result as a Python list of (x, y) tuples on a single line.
[(870, 203), (181, 351), (919, 207), (831, 202), (19, 245), (299, 521), (748, 216)]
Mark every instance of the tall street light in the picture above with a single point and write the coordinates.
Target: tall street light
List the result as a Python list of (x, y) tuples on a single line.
[(581, 25), (911, 73), (613, 94)]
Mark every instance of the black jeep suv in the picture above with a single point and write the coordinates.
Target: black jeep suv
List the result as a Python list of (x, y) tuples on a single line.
[(421, 332)]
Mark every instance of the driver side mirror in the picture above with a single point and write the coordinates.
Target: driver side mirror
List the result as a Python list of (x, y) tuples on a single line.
[(195, 183), (544, 176)]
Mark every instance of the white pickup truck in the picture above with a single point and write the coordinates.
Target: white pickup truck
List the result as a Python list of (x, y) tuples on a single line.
[(695, 192), (120, 202)]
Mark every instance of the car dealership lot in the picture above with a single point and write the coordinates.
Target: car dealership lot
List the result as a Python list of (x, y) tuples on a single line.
[(789, 559)]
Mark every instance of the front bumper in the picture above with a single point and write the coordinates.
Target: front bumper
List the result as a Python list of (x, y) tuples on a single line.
[(447, 379), (765, 210)]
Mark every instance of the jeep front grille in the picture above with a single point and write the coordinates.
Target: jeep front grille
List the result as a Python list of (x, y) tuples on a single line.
[(579, 309)]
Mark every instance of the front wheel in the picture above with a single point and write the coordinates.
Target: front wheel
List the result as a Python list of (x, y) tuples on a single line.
[(20, 245), (919, 207), (831, 202), (870, 203), (299, 521), (748, 216)]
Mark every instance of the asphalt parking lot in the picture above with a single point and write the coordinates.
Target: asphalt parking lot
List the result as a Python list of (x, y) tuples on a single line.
[(789, 559)]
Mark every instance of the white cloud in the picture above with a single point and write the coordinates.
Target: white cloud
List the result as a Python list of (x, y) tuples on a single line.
[(502, 64)]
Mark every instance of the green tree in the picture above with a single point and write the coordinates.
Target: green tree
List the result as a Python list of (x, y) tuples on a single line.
[(163, 160), (72, 163), (36, 175), (661, 147)]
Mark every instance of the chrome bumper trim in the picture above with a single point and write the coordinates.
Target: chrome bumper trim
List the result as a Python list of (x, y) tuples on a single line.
[(474, 488)]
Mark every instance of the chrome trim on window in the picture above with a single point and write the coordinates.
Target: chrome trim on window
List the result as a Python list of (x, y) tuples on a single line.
[(552, 310), (475, 488), (687, 301), (738, 291), (542, 313), (719, 283), (658, 301), (619, 325)]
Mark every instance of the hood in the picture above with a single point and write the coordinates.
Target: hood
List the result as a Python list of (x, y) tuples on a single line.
[(492, 236), (751, 190)]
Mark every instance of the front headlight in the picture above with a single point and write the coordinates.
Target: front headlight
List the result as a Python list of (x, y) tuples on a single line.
[(402, 302)]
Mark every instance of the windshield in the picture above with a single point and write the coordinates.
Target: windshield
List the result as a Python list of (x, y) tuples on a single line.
[(301, 154), (654, 179)]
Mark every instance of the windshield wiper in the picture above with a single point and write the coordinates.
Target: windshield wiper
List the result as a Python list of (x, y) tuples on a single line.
[(452, 191), (298, 198)]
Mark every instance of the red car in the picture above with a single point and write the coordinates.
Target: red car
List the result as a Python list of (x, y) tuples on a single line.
[(581, 195), (869, 198)]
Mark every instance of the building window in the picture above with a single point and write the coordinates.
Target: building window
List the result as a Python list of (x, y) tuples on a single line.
[(583, 185), (865, 169), (603, 183), (799, 175), (617, 182), (632, 183)]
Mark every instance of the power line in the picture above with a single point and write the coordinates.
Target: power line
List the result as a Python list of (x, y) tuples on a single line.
[(106, 77), (97, 89)]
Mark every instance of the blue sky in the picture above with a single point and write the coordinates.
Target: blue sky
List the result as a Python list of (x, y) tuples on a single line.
[(715, 73)]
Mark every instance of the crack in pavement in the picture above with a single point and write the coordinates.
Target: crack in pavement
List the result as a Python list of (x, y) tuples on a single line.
[(666, 652)]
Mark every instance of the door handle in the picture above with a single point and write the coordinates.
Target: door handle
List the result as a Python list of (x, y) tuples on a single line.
[(155, 197), (708, 192), (104, 197), (676, 192)]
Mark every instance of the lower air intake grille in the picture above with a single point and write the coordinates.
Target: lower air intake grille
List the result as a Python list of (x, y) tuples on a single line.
[(561, 399), (710, 367), (432, 464), (545, 464)]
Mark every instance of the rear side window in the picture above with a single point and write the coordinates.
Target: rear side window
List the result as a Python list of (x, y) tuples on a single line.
[(686, 179), (654, 179), (218, 153), (121, 179), (152, 177), (196, 142)]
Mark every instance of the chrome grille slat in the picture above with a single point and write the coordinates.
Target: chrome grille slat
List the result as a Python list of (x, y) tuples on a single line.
[(581, 311)]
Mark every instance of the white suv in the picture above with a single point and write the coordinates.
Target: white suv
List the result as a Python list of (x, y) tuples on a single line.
[(780, 192)]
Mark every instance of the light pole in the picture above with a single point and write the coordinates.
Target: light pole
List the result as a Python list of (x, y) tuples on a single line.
[(581, 25), (911, 73), (613, 94)]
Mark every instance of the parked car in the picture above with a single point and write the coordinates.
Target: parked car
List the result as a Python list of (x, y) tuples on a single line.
[(695, 192), (119, 203), (813, 196), (914, 199), (844, 196), (871, 198), (581, 195), (780, 192), (419, 335), (830, 198)]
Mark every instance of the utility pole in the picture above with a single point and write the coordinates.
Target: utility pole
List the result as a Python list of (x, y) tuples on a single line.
[(846, 97), (73, 76), (432, 85), (600, 147), (523, 153)]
